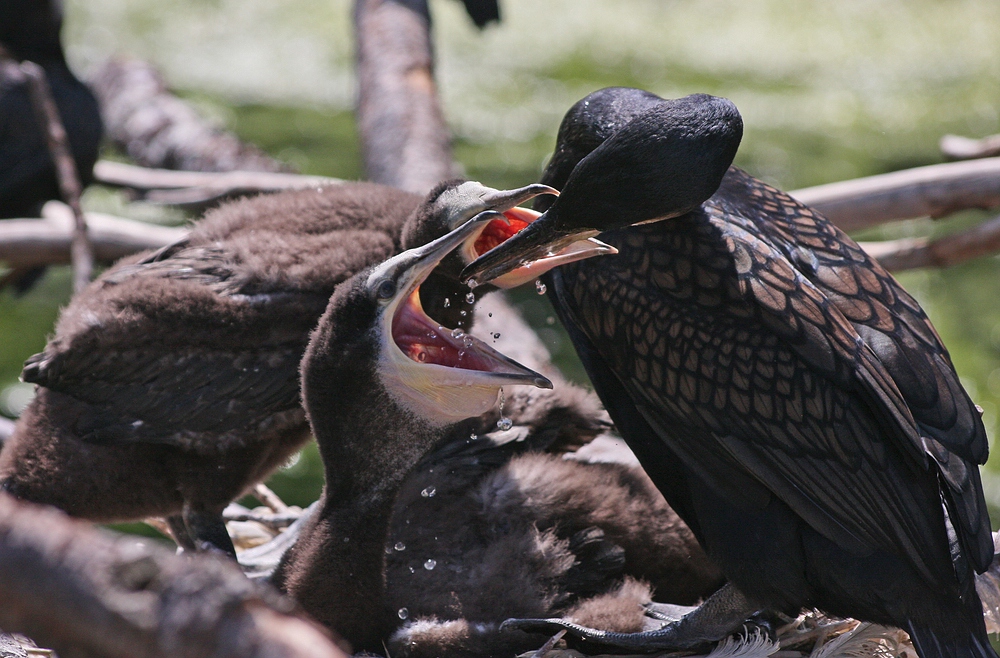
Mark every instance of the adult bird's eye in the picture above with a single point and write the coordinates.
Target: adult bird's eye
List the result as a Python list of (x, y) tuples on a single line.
[(386, 289)]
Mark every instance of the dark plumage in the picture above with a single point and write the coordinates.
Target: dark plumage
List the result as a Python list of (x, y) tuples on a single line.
[(519, 530), (789, 398), (565, 550), (171, 385), (29, 30)]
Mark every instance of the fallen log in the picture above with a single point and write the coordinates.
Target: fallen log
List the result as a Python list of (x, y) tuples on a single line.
[(83, 591)]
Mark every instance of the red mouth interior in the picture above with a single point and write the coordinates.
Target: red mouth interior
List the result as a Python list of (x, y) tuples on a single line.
[(498, 232), (425, 341)]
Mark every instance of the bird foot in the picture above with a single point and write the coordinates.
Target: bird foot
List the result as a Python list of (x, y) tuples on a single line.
[(723, 614)]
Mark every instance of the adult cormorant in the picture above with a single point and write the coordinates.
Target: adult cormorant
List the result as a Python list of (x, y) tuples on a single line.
[(790, 399), (171, 385), (413, 383), (29, 30)]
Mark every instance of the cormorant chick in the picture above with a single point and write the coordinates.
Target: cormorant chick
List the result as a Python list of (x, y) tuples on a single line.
[(381, 384), (789, 398), (171, 384)]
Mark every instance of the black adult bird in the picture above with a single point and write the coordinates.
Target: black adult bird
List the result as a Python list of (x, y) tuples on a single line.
[(171, 385), (790, 399), (29, 30), (413, 383)]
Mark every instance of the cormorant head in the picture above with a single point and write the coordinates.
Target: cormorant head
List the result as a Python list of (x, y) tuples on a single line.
[(375, 333), (665, 158), (452, 203)]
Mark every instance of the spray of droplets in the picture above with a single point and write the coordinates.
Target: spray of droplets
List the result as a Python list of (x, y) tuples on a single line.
[(504, 423), (540, 287)]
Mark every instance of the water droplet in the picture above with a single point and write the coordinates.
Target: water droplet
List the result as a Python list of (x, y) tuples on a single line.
[(473, 436), (462, 313), (539, 287), (550, 320), (490, 314), (457, 332), (505, 423), (470, 298), (447, 302), (428, 492), (496, 335), (467, 340), (403, 613), (388, 550), (472, 284), (400, 546), (461, 354), (412, 570), (347, 540), (430, 564)]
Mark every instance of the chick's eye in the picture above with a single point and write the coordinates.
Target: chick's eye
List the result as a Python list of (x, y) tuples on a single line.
[(386, 289)]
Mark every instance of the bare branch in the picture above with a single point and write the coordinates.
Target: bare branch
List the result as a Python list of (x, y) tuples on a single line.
[(47, 114), (87, 592), (963, 148), (936, 190), (157, 129), (405, 140), (199, 188), (911, 253), (32, 242)]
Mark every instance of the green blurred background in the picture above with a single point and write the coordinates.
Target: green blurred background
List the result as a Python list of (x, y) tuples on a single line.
[(828, 91)]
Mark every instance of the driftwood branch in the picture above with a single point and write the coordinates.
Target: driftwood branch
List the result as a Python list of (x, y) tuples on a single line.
[(196, 188), (936, 190), (47, 241), (47, 115), (911, 253), (85, 592), (404, 137), (157, 129), (963, 148)]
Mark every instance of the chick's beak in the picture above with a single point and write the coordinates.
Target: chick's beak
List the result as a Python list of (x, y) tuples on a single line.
[(467, 360)]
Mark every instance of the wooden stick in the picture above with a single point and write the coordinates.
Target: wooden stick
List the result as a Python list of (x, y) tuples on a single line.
[(158, 129), (32, 242), (911, 253), (87, 592), (82, 251), (264, 494), (936, 190), (404, 138), (963, 148)]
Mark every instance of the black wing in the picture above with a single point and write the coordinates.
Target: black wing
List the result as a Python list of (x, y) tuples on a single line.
[(760, 385)]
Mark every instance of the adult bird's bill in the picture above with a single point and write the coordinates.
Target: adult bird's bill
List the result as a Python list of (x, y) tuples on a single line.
[(635, 177)]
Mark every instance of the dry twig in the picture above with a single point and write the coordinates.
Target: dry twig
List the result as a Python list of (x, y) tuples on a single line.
[(911, 253), (963, 148), (936, 190), (47, 115)]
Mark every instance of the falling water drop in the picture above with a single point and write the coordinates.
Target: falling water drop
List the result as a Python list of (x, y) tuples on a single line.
[(400, 546), (539, 287), (462, 313), (505, 423), (470, 298), (430, 564), (473, 436), (467, 340), (403, 613), (457, 332), (428, 492), (472, 284), (496, 336), (447, 302)]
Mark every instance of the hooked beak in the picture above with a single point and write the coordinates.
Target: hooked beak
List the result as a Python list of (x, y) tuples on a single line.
[(445, 372), (512, 224), (538, 248)]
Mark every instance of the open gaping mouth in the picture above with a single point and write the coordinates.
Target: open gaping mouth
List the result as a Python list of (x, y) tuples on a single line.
[(498, 231)]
